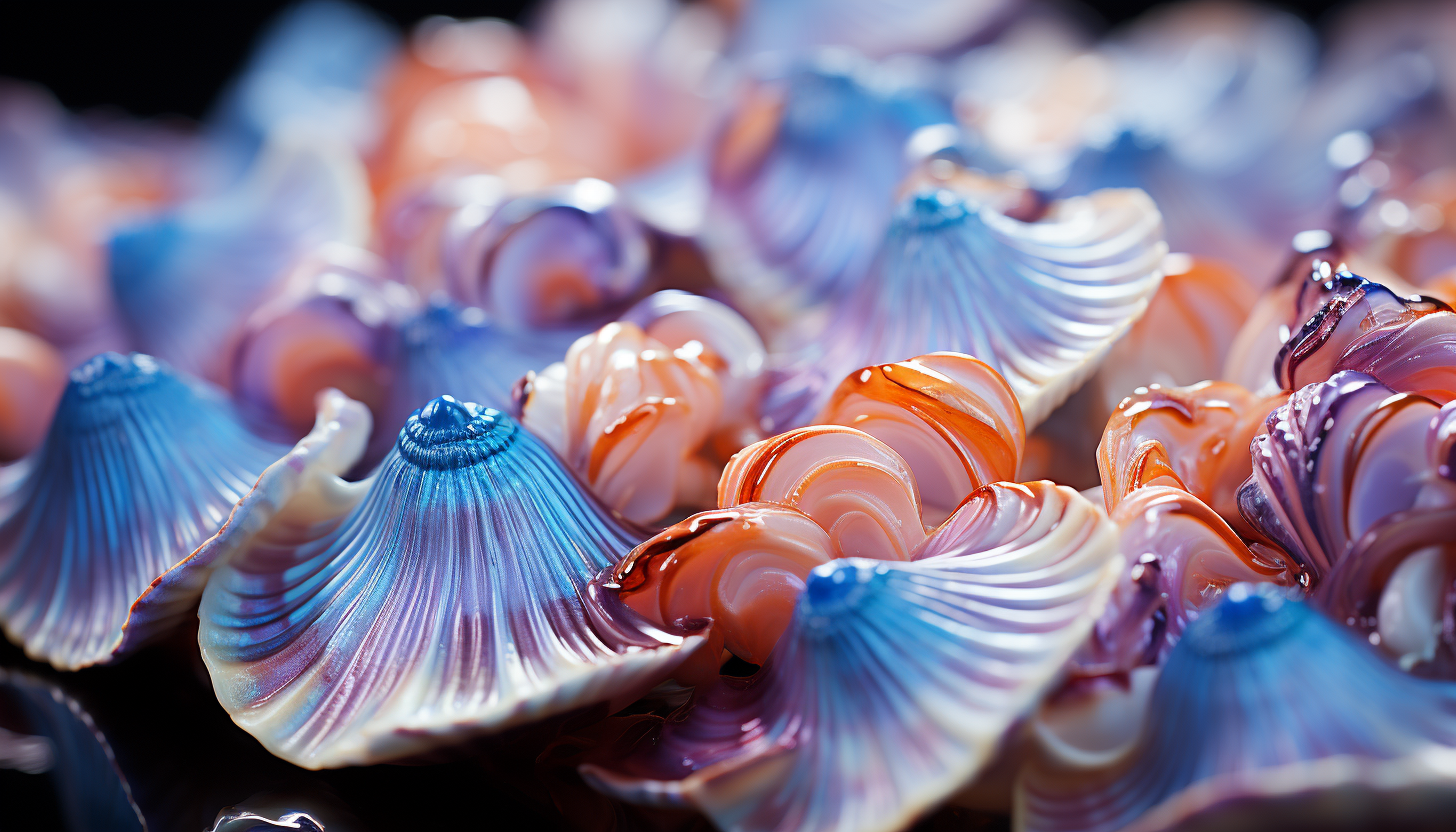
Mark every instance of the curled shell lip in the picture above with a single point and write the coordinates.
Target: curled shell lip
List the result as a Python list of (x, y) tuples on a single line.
[(993, 608), (447, 596), (1277, 688), (139, 467)]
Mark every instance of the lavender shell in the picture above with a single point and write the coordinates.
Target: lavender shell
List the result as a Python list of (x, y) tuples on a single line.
[(141, 465)]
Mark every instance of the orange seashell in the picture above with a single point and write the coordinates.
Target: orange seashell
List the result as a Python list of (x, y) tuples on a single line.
[(953, 418), (852, 484), (1195, 438), (743, 567)]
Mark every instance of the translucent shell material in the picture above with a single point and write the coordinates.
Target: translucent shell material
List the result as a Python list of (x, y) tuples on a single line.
[(568, 256), (444, 597), (787, 224), (140, 466), (1409, 344), (32, 377), (1264, 710), (1181, 558), (1185, 336), (1195, 438), (185, 280), (1339, 457), (60, 740), (628, 415), (1041, 302), (743, 567), (852, 484), (940, 656)]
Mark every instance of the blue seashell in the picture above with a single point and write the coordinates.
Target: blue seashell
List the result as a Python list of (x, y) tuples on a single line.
[(797, 210), (140, 467), (443, 597), (894, 682), (185, 280), (55, 736), (1263, 708), (317, 64), (1041, 302)]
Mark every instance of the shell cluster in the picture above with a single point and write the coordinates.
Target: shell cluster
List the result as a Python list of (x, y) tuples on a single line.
[(807, 415)]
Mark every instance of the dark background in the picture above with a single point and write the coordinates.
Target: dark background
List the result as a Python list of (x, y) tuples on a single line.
[(161, 58)]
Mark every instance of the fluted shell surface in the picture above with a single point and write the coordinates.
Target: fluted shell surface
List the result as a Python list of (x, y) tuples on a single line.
[(443, 598), (139, 468), (894, 682), (54, 736), (1041, 302), (1338, 458), (185, 280), (953, 419), (804, 173), (1262, 701)]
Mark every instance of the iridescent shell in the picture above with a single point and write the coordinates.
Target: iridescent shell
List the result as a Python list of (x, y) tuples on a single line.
[(629, 415), (1185, 335), (442, 598), (242, 820), (569, 257), (1182, 556), (937, 657), (185, 280), (804, 174), (32, 377), (953, 419), (1041, 302), (55, 736), (1266, 714), (415, 219), (1335, 460), (140, 466), (852, 484), (1409, 344), (1195, 438)]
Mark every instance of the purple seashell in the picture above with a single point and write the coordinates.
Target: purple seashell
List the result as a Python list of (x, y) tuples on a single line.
[(894, 682), (444, 597)]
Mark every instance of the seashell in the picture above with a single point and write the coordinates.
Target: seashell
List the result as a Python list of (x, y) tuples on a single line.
[(315, 66), (1194, 438), (241, 820), (32, 377), (744, 567), (787, 225), (1182, 557), (628, 415), (186, 279), (727, 343), (1281, 718), (1066, 287), (567, 257), (442, 598), (1185, 335), (952, 418), (415, 217), (878, 28), (54, 735), (1408, 344), (998, 600), (852, 484), (1393, 588), (139, 467), (1335, 460)]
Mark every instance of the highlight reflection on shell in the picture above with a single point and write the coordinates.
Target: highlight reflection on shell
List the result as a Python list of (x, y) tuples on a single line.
[(1195, 438), (954, 420), (852, 484), (628, 415), (939, 655), (139, 467), (444, 597), (1041, 302), (1339, 457), (1263, 712)]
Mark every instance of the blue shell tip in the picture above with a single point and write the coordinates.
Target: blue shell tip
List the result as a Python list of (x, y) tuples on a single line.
[(449, 433), (112, 372), (840, 585), (1248, 616)]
